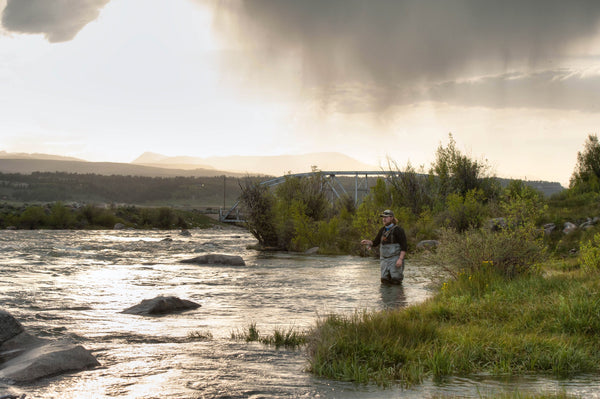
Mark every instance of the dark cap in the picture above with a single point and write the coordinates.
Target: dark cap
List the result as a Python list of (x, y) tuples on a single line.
[(387, 212)]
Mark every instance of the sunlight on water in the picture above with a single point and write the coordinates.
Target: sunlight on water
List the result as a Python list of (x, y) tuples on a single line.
[(75, 284)]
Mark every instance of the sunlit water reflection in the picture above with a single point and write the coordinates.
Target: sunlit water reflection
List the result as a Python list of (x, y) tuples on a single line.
[(76, 283)]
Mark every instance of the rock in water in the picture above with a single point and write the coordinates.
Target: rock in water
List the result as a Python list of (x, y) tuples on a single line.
[(217, 259), (161, 305), (48, 360)]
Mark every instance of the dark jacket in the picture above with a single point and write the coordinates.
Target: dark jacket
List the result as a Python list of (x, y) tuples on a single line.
[(393, 235)]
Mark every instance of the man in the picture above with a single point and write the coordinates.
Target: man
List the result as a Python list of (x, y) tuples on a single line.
[(393, 248)]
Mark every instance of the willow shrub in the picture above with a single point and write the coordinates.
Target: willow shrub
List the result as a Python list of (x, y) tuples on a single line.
[(511, 252)]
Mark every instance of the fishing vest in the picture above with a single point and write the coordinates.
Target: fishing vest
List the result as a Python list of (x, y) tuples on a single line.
[(388, 247)]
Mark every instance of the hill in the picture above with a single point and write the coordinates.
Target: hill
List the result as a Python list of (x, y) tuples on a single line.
[(277, 165), (30, 165)]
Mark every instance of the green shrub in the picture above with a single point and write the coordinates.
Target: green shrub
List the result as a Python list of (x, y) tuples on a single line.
[(589, 255), (464, 212), (511, 251), (33, 217)]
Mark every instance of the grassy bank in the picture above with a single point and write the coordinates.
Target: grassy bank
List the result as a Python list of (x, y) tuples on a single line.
[(544, 323)]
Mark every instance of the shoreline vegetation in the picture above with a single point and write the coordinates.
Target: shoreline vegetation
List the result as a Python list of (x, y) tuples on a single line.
[(58, 216)]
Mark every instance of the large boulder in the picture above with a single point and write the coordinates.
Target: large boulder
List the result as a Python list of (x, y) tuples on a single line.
[(48, 360), (161, 305), (217, 259), (25, 358)]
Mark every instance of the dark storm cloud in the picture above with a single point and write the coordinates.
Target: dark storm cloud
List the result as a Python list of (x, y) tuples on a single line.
[(398, 45), (57, 20)]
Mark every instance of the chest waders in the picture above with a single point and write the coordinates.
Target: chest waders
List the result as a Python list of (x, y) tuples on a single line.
[(388, 255)]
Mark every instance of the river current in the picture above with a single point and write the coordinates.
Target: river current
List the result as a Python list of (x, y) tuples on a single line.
[(75, 284)]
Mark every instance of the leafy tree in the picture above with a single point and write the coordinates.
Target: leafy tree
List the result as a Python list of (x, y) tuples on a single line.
[(410, 189), (258, 203), (453, 172), (586, 176)]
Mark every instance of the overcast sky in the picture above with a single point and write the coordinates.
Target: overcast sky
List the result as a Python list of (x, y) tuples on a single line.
[(515, 82)]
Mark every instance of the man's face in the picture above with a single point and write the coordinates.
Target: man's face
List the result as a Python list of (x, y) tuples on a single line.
[(387, 220)]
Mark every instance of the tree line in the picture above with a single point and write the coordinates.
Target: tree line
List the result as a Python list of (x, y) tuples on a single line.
[(73, 187), (456, 195)]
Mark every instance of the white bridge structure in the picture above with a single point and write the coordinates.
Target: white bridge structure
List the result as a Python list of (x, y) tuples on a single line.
[(332, 184)]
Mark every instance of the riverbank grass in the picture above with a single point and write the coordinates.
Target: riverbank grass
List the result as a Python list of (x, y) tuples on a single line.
[(546, 323), (289, 338)]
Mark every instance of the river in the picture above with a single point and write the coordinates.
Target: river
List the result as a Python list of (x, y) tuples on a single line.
[(75, 284)]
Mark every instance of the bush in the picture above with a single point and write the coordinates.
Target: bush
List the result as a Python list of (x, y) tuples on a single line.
[(511, 252), (589, 255), (464, 212), (61, 217), (33, 217)]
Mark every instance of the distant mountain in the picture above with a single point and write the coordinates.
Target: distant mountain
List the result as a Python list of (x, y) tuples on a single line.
[(28, 166), (277, 165), (22, 155), (163, 161)]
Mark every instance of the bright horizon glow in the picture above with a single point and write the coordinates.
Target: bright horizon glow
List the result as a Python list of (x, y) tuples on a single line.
[(151, 76)]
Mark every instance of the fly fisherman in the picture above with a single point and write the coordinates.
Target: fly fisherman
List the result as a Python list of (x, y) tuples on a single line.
[(392, 250)]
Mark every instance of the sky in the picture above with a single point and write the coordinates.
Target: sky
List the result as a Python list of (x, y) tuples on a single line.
[(516, 83)]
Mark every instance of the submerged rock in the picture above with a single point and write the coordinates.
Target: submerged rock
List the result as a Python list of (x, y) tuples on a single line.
[(161, 305), (217, 259)]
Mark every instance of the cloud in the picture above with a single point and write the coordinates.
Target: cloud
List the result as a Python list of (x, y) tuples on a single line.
[(550, 89), (399, 46), (57, 20)]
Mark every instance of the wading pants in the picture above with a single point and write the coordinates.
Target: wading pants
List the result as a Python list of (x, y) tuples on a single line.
[(388, 255)]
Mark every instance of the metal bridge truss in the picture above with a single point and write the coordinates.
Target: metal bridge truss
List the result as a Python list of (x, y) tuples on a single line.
[(332, 183)]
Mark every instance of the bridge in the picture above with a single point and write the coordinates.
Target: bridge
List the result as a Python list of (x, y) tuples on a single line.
[(359, 190)]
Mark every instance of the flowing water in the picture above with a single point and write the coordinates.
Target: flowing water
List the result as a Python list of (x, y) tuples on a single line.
[(75, 284)]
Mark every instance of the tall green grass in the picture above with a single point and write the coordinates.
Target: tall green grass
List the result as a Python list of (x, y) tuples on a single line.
[(477, 323), (290, 338)]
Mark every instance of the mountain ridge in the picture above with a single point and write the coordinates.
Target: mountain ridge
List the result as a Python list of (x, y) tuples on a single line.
[(275, 165)]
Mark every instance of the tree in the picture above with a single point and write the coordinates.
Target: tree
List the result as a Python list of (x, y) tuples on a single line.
[(586, 176), (258, 204), (456, 173), (410, 189)]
